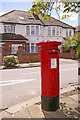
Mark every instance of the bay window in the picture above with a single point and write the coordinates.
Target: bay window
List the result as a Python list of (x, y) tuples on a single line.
[(34, 30), (9, 28)]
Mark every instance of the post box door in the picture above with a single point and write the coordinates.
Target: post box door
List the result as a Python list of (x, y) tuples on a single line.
[(53, 67)]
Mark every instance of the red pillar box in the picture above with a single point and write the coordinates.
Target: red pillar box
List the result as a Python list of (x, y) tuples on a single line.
[(49, 75)]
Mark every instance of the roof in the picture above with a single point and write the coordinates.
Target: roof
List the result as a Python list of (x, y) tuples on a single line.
[(55, 22), (11, 36), (21, 17), (77, 28)]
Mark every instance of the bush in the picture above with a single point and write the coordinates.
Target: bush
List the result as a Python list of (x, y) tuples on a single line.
[(78, 51), (10, 61)]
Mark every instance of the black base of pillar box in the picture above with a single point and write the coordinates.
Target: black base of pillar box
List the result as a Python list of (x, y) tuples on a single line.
[(78, 71), (50, 103)]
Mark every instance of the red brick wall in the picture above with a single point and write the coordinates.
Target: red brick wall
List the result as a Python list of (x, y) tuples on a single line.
[(7, 47), (0, 55), (27, 57), (70, 55)]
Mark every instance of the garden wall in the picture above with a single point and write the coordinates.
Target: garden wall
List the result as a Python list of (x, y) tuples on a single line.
[(68, 55)]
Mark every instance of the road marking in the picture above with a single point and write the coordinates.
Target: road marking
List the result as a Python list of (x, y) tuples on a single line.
[(9, 81), (20, 81)]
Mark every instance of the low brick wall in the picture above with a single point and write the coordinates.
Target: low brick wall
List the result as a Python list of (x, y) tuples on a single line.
[(27, 57), (33, 57), (70, 55), (0, 55)]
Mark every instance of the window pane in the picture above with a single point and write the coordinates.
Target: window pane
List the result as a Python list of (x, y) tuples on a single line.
[(32, 49), (4, 28), (66, 32), (36, 49), (32, 30), (53, 30), (8, 29), (37, 30), (32, 44), (28, 47), (49, 30), (15, 47), (41, 30), (28, 30), (69, 32), (58, 31)]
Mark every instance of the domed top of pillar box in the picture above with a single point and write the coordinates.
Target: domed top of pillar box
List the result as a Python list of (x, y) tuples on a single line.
[(49, 44)]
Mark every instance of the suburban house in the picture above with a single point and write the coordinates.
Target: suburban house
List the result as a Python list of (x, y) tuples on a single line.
[(77, 29), (19, 32)]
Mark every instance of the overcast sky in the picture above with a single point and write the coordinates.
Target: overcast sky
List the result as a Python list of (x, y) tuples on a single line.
[(25, 5)]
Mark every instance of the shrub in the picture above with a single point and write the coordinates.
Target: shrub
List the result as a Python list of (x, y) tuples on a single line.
[(78, 51), (10, 61)]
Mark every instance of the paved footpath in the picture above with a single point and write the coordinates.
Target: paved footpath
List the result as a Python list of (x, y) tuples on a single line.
[(69, 107)]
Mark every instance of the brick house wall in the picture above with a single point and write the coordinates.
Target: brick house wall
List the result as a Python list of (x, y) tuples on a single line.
[(7, 47)]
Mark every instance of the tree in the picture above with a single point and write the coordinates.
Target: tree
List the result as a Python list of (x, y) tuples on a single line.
[(73, 43), (45, 8)]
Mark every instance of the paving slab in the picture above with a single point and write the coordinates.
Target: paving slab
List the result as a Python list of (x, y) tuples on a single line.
[(35, 111), (70, 103), (14, 109), (75, 97)]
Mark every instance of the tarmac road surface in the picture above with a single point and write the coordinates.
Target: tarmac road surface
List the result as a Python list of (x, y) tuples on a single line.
[(18, 85)]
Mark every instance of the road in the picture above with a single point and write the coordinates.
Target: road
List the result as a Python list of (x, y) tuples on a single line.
[(18, 85)]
